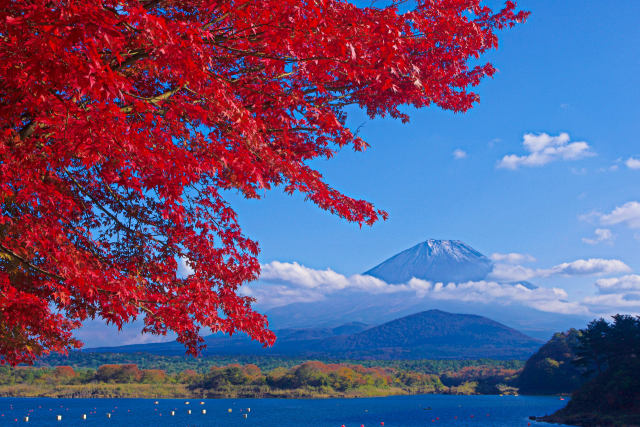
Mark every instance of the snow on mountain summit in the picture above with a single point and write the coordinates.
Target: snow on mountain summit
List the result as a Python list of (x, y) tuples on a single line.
[(435, 260)]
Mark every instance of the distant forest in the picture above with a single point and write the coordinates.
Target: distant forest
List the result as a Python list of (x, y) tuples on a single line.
[(176, 364), (307, 379)]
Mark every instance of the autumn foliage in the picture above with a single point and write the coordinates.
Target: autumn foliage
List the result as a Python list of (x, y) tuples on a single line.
[(119, 373), (64, 372), (124, 124)]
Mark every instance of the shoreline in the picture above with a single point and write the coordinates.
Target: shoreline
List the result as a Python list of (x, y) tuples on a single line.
[(116, 391), (586, 419), (180, 391)]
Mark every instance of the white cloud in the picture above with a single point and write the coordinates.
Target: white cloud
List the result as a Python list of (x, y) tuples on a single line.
[(302, 276), (184, 269), (629, 283), (627, 214), (613, 168), (590, 266), (613, 303), (459, 154), (544, 148), (632, 163), (601, 235), (615, 295), (271, 295), (591, 217), (511, 273), (581, 267), (544, 299), (285, 283), (511, 258)]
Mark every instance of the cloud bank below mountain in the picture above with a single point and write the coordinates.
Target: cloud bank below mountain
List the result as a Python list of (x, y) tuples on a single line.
[(284, 283)]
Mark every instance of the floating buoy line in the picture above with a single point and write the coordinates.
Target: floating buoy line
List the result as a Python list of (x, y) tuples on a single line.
[(85, 416)]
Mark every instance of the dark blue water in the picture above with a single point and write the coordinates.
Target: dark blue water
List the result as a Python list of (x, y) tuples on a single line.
[(406, 411)]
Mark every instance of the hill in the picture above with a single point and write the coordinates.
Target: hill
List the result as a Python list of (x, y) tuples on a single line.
[(432, 334), (289, 342), (609, 352), (612, 398), (435, 333), (550, 370)]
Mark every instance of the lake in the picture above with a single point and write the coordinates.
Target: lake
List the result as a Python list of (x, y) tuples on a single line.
[(396, 411)]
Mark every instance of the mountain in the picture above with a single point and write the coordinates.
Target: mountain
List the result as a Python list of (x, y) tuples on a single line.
[(289, 341), (435, 260), (375, 309), (435, 334), (432, 334)]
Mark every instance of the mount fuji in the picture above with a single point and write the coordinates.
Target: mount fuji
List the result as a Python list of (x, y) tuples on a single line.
[(436, 261), (432, 260), (357, 323)]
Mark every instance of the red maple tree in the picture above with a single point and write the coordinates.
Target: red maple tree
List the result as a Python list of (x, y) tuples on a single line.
[(124, 121)]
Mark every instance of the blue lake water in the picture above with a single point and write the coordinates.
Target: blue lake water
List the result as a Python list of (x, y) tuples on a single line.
[(405, 411)]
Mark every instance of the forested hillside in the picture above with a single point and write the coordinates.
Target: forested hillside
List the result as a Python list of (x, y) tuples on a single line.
[(610, 353), (431, 334), (551, 369)]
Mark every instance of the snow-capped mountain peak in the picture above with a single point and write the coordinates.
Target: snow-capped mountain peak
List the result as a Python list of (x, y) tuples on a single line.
[(435, 260)]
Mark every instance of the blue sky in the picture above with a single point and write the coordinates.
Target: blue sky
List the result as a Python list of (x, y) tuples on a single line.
[(573, 68)]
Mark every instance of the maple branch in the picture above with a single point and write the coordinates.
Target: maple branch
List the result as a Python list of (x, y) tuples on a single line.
[(135, 302), (108, 212), (153, 100), (163, 245), (225, 15), (136, 56), (277, 58), (151, 4), (28, 264), (28, 129)]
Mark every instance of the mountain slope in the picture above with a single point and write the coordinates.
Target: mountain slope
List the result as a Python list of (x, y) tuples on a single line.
[(289, 341), (435, 260), (436, 334), (550, 370), (376, 309), (431, 334)]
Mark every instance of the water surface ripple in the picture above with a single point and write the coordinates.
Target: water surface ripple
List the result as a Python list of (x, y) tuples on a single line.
[(396, 411)]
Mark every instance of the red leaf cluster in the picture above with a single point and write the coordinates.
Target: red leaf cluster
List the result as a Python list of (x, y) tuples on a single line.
[(123, 123)]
